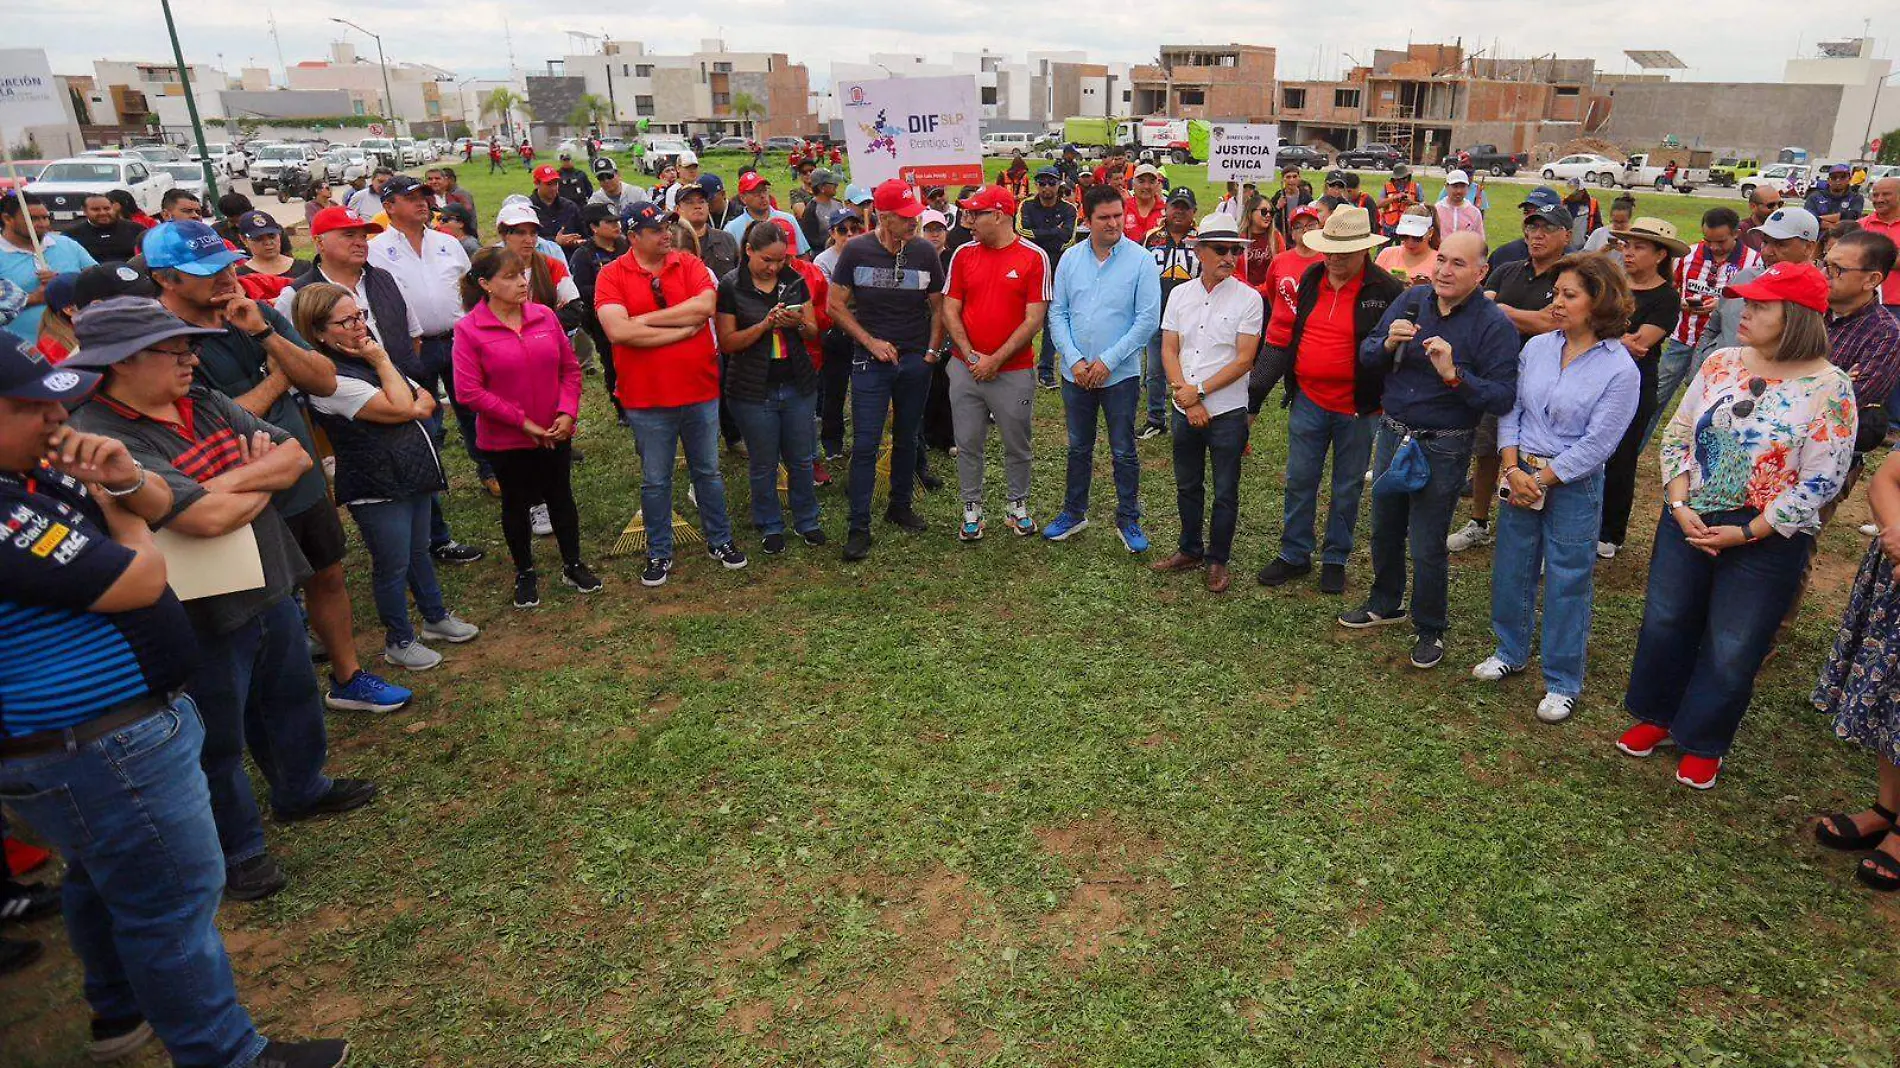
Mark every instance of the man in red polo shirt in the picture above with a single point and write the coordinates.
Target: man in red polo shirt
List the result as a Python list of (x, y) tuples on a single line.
[(656, 305), (1885, 220), (995, 298), (1144, 210)]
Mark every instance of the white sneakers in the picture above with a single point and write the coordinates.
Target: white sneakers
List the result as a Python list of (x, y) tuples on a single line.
[(539, 521), (1469, 536), (1606, 550), (452, 629), (1491, 669), (1555, 708)]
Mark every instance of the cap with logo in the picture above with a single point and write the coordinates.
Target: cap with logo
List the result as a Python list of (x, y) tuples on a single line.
[(338, 217), (1414, 225), (1802, 283), (60, 289), (712, 184), (1840, 168), (1555, 215), (189, 246), (258, 224), (24, 376), (120, 327), (896, 197), (990, 198), (753, 181), (1048, 175), (844, 219), (104, 280), (1336, 178), (604, 166), (401, 184), (516, 211), (645, 215), (857, 194), (1304, 211), (690, 189), (1182, 197), (1785, 223), (545, 173)]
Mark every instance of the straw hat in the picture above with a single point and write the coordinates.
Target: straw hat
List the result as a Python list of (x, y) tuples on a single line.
[(1346, 230), (1656, 231)]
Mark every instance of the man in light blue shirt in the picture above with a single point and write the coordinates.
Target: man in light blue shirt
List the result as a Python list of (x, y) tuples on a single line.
[(18, 266), (755, 193), (1107, 305)]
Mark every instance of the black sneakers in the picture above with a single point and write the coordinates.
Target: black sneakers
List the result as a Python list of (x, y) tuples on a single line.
[(654, 574), (931, 483), (117, 1038), (1364, 618), (316, 1053), (772, 544), (1428, 651), (254, 879), (582, 578), (1332, 578), (857, 544), (728, 555), (26, 902), (814, 537), (527, 589), (345, 795), (1278, 572), (454, 552), (906, 518)]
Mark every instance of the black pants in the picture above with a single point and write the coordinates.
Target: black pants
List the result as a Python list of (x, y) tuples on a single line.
[(537, 476), (835, 384), (605, 349), (1619, 475), (728, 424), (939, 428)]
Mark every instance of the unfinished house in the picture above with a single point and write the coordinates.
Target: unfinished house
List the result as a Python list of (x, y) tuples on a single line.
[(1233, 82), (1431, 99), (1325, 115)]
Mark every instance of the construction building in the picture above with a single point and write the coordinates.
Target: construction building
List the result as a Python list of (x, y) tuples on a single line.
[(712, 91), (1231, 81)]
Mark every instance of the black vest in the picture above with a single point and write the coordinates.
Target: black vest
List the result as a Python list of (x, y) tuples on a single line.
[(390, 461), (391, 312)]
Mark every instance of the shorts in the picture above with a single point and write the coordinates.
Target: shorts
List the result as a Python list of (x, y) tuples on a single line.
[(319, 533), (1484, 443)]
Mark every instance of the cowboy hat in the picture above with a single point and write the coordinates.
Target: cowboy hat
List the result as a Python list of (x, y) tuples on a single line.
[(1348, 229), (1656, 231)]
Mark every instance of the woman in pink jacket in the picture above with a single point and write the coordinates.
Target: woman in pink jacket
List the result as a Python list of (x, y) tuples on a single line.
[(515, 368)]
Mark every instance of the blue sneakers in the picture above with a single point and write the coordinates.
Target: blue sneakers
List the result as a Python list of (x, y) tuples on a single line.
[(365, 693), (1132, 537), (1064, 525)]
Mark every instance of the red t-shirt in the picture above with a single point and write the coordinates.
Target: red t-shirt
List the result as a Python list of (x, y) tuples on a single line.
[(670, 376), (1135, 224), (1327, 356), (1282, 289), (997, 286)]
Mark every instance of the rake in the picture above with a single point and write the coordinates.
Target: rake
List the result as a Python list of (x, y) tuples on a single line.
[(633, 539)]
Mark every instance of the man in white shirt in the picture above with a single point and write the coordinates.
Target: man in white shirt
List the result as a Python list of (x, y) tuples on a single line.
[(427, 265), (1209, 334)]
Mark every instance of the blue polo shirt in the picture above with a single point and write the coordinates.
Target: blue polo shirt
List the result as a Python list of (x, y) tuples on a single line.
[(62, 664), (1484, 349), (63, 254)]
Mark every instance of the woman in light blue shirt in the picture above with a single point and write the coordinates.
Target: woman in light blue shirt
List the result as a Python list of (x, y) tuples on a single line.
[(1576, 394)]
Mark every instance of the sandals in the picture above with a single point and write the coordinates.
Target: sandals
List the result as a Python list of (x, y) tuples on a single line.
[(1828, 832), (1880, 871)]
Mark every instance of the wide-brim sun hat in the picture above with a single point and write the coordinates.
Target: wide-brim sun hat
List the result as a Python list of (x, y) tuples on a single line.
[(1347, 229), (1656, 231)]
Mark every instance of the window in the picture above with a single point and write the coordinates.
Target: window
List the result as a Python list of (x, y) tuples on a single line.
[(1292, 99), (722, 100), (643, 105), (1569, 90), (1346, 98), (643, 70), (1193, 97), (989, 94), (722, 68)]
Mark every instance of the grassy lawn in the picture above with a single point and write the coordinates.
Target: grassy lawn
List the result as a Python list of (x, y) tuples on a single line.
[(1016, 804)]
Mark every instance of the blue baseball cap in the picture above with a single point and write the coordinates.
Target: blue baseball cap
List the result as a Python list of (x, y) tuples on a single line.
[(61, 290), (189, 246), (857, 194), (712, 184), (646, 215), (24, 376), (1541, 197)]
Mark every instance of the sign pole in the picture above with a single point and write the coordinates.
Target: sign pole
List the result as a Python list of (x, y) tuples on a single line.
[(191, 107)]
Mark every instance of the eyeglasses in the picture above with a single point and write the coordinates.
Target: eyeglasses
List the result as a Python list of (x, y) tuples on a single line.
[(183, 355), (1835, 270), (659, 295), (351, 322), (1744, 407)]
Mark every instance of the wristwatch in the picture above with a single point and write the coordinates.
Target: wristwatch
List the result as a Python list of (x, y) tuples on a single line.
[(264, 333), (1200, 389)]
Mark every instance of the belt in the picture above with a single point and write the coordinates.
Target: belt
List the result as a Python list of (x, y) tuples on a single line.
[(446, 335), (41, 743), (1427, 435)]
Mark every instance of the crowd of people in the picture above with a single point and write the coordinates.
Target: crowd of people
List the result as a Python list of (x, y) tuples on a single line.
[(178, 390)]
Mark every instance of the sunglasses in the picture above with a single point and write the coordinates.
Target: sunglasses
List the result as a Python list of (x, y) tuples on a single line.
[(1222, 249), (1746, 406), (659, 295), (1045, 181)]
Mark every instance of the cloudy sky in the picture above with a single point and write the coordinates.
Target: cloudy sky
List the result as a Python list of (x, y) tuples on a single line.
[(1745, 43)]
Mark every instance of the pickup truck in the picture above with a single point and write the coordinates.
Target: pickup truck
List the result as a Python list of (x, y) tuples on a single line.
[(64, 185), (1486, 158), (1640, 173)]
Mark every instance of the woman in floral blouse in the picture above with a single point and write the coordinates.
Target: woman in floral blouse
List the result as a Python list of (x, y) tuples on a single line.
[(1763, 439)]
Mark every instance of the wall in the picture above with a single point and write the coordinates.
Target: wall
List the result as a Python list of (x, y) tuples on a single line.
[(1748, 117), (286, 104)]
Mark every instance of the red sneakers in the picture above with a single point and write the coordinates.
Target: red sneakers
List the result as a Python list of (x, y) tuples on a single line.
[(1642, 739), (1697, 773)]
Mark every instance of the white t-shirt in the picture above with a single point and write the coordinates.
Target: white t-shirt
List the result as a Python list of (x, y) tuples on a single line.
[(826, 260), (351, 395), (1210, 324)]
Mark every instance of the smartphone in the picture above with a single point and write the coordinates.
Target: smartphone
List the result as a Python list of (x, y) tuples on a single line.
[(795, 309)]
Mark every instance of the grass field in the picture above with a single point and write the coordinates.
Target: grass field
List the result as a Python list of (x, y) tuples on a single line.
[(1019, 804)]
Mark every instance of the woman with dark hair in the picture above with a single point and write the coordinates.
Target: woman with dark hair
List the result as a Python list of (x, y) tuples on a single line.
[(129, 208), (459, 223), (1576, 395), (1648, 246), (1762, 441), (515, 368), (1262, 237), (549, 283), (387, 469), (765, 317)]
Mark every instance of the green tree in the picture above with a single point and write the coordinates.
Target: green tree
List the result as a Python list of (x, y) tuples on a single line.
[(501, 103), (1889, 147), (746, 107), (590, 111)]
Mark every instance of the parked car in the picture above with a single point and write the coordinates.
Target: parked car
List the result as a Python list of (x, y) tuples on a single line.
[(381, 151), (783, 144), (1486, 158), (1793, 179), (19, 172), (663, 152), (226, 157), (1639, 172), (614, 145), (343, 164), (186, 176), (271, 161), (730, 144), (158, 153), (1373, 156), (573, 146), (1589, 167), (64, 184), (1729, 170), (1299, 155)]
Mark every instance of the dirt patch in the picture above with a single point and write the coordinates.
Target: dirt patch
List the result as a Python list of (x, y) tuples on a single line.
[(1834, 573), (1117, 894), (1153, 741), (1099, 846), (763, 933)]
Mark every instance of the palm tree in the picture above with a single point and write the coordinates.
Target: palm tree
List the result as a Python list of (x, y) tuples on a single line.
[(588, 111), (745, 106), (501, 103)]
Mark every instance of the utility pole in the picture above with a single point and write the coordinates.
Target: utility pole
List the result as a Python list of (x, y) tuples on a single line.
[(191, 108), (389, 99)]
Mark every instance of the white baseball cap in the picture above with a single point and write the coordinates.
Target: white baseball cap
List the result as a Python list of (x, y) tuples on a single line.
[(1414, 225), (1457, 177), (689, 159), (516, 211)]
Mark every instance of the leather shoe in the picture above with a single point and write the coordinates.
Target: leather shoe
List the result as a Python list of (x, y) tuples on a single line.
[(1178, 562), (1217, 578)]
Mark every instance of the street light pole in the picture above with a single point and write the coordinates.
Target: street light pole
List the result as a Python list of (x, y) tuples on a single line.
[(389, 99), (191, 108), (1867, 137)]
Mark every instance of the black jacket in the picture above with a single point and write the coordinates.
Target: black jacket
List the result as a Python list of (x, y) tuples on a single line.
[(574, 184), (1377, 290), (391, 311), (115, 243), (379, 460)]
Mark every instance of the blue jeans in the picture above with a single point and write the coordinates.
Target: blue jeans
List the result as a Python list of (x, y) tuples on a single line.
[(901, 389), (694, 428), (1312, 432), (131, 815), (1420, 521), (1673, 368), (1157, 384), (781, 427), (256, 686), (397, 536), (1561, 538), (1116, 405), (1708, 623), (1218, 444)]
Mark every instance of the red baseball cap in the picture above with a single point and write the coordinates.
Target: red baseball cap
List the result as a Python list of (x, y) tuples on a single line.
[(545, 173), (894, 197), (338, 217), (1802, 283), (990, 198), (752, 181)]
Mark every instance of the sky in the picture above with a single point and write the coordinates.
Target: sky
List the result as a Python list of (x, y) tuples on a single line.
[(1741, 40)]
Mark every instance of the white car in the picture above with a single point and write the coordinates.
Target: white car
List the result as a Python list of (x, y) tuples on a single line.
[(186, 176), (411, 153), (272, 159), (228, 158), (662, 152), (1793, 179), (64, 185), (343, 165), (1588, 166)]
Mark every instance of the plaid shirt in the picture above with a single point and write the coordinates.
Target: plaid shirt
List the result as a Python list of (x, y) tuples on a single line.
[(1700, 274), (1866, 344)]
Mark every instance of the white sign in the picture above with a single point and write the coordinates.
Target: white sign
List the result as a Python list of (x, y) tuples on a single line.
[(28, 94), (1241, 152), (927, 131)]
